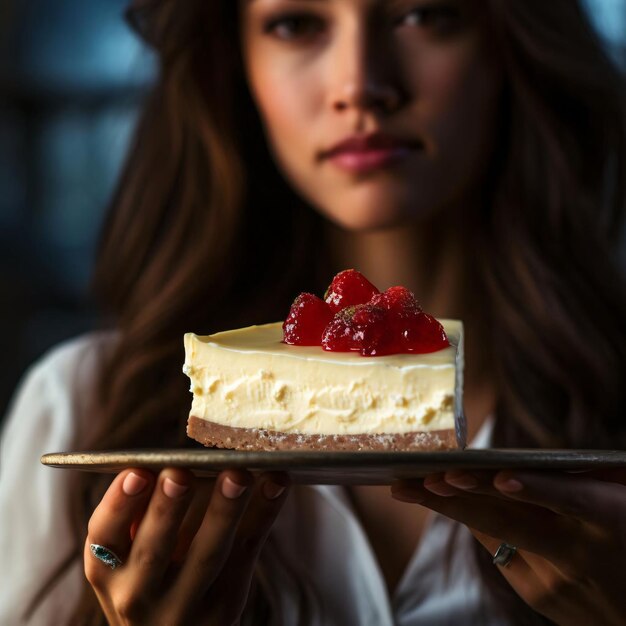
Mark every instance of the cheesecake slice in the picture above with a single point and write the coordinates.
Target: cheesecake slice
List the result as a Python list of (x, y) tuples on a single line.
[(253, 391)]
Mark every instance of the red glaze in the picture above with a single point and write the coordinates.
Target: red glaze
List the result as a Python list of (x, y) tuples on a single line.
[(424, 334), (386, 323), (339, 334), (411, 328), (349, 288), (307, 319), (399, 300), (362, 327)]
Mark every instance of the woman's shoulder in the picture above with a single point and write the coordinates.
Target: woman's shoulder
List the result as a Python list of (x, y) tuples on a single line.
[(55, 390), (74, 361), (81, 356), (49, 413)]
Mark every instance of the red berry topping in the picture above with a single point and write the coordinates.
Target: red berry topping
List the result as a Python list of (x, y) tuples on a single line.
[(339, 334), (371, 330), (349, 288), (410, 328), (397, 299), (307, 319), (424, 334), (357, 317), (362, 327)]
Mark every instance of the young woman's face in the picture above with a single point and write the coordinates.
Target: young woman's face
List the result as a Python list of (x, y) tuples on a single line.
[(405, 85)]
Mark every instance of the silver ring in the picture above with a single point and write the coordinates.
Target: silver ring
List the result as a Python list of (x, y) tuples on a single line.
[(504, 554), (107, 556)]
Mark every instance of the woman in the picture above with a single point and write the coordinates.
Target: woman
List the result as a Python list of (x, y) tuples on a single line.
[(496, 194)]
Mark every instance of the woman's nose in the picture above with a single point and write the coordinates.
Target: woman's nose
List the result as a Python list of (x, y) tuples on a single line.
[(364, 77), (368, 95)]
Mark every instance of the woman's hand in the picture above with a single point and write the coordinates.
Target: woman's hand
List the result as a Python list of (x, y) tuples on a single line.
[(569, 528), (188, 546)]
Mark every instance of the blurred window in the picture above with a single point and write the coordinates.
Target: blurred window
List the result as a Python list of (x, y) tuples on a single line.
[(609, 17), (72, 78)]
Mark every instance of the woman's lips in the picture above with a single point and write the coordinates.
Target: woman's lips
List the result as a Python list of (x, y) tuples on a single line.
[(371, 159), (365, 160), (362, 153)]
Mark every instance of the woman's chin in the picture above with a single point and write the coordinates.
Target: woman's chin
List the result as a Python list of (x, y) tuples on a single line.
[(369, 212), (364, 221), (371, 207)]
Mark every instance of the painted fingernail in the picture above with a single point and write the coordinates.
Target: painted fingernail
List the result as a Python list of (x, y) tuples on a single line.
[(463, 481), (174, 490), (134, 484), (510, 484), (272, 490), (441, 489), (231, 489)]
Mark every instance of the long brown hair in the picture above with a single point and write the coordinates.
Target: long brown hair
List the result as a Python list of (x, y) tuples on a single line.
[(550, 242), (205, 234)]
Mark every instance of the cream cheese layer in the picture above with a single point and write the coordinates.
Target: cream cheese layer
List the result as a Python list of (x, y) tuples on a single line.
[(249, 378)]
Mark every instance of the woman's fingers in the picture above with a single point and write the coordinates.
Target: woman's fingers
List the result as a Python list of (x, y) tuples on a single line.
[(233, 584), (267, 500), (528, 574), (610, 474), (156, 538), (575, 495), (523, 566), (523, 525), (475, 481), (181, 540), (203, 488), (213, 541), (110, 525), (588, 496)]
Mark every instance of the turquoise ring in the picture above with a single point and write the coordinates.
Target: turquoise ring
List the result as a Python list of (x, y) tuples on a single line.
[(108, 557)]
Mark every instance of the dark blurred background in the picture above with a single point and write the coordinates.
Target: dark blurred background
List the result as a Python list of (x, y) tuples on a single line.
[(72, 79)]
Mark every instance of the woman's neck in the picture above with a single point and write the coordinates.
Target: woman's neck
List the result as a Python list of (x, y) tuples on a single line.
[(399, 256), (433, 266)]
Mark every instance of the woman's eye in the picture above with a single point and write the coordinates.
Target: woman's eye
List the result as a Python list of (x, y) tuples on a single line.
[(294, 27), (439, 17)]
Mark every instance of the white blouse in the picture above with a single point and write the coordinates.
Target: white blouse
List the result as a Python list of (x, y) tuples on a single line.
[(318, 536)]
